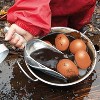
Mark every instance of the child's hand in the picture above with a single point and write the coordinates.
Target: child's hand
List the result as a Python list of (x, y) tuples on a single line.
[(19, 39)]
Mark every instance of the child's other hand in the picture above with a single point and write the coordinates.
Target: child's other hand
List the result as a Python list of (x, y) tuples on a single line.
[(19, 39)]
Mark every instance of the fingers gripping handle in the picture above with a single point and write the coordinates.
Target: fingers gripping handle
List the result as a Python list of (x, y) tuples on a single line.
[(6, 29)]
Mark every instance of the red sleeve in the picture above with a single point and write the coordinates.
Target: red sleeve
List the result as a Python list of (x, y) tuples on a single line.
[(83, 17), (32, 15)]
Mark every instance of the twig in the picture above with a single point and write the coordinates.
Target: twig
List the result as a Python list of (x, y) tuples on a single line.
[(1, 18)]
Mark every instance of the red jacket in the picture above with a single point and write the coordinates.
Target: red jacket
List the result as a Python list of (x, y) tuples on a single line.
[(37, 16)]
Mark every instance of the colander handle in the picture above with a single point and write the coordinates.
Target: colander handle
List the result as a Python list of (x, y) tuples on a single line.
[(97, 47), (25, 72)]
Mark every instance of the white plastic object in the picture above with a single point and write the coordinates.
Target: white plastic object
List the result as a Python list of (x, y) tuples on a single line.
[(3, 52)]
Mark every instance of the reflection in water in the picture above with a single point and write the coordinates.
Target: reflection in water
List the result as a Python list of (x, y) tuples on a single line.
[(15, 85), (6, 75)]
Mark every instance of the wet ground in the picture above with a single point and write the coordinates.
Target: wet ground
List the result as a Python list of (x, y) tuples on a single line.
[(14, 85)]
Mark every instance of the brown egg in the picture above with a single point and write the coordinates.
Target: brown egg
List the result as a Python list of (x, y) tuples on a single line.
[(61, 42), (77, 45), (47, 42), (82, 59), (67, 68)]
